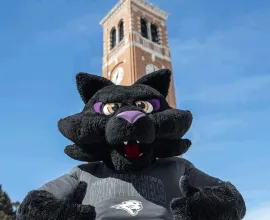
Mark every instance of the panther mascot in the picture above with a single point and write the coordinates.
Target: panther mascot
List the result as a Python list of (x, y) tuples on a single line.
[(129, 137)]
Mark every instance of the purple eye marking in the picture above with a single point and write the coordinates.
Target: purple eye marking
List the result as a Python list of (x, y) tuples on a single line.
[(97, 107), (155, 103)]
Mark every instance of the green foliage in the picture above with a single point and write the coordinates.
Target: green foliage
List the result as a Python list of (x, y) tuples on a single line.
[(7, 208)]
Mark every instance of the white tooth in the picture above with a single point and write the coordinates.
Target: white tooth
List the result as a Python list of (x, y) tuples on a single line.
[(141, 154), (138, 142), (125, 142), (125, 155)]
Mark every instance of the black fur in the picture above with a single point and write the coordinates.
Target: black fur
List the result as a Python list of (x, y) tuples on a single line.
[(97, 135), (88, 85), (222, 202), (159, 81), (163, 148), (42, 205), (100, 137)]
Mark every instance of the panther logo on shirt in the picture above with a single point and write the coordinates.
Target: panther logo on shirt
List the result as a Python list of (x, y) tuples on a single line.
[(132, 207)]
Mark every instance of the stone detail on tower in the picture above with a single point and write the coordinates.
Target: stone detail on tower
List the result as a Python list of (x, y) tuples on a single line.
[(144, 47)]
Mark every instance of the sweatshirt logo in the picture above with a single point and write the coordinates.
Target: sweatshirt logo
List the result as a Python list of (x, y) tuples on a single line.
[(132, 207)]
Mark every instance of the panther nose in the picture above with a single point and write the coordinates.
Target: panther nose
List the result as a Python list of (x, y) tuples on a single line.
[(131, 116)]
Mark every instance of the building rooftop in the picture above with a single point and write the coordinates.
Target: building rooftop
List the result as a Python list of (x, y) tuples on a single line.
[(145, 4)]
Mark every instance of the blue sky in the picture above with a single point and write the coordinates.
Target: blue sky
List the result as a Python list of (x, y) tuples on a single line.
[(220, 56)]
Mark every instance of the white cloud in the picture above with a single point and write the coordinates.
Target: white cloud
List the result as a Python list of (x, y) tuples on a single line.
[(214, 125), (226, 65), (218, 131), (209, 127), (243, 90), (262, 212)]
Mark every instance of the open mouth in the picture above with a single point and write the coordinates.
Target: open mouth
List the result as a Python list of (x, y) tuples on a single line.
[(132, 149)]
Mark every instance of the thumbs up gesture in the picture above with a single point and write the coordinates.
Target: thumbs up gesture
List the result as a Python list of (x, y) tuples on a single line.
[(75, 209), (220, 202), (42, 205)]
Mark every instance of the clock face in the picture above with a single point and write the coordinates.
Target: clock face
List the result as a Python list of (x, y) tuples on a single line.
[(117, 75), (150, 68)]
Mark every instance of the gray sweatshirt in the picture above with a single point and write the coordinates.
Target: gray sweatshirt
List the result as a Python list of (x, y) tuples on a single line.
[(144, 195)]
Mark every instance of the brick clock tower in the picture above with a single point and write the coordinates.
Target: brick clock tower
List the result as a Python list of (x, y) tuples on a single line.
[(135, 43)]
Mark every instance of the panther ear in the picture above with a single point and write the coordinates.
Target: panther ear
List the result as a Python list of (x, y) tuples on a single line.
[(159, 80), (88, 85)]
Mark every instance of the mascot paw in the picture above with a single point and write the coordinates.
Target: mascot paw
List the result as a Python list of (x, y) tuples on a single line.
[(221, 202), (44, 206)]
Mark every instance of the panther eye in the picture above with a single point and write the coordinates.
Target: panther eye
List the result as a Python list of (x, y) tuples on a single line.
[(110, 108), (147, 107)]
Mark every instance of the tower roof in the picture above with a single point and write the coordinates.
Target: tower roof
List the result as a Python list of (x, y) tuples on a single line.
[(144, 4)]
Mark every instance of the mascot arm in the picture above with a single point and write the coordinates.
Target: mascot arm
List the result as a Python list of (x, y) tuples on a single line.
[(207, 198), (58, 199)]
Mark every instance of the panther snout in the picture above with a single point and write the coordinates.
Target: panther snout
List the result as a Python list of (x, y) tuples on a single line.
[(131, 116)]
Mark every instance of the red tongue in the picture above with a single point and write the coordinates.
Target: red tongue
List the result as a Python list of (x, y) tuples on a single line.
[(132, 150)]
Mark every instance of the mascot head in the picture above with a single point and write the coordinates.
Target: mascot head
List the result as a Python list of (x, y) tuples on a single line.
[(127, 127)]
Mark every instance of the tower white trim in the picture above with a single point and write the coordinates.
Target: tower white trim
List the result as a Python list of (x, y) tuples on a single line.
[(142, 3)]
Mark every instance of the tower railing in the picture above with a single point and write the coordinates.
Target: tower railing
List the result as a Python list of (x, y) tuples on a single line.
[(150, 44), (117, 47)]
